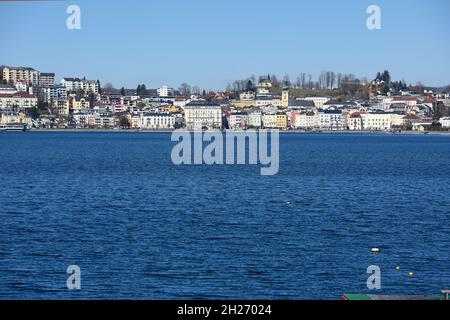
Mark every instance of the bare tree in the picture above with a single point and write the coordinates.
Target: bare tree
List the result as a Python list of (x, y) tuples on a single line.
[(322, 80), (332, 80), (339, 79), (185, 89), (196, 90)]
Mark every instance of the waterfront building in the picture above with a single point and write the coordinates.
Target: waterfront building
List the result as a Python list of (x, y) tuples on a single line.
[(379, 121), (398, 119), (331, 119), (421, 125), (238, 120), (13, 117), (445, 122), (136, 120), (152, 120), (254, 120), (275, 121), (203, 114), (91, 119), (303, 120), (354, 122)]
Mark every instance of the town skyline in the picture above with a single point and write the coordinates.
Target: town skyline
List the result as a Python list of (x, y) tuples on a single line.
[(185, 45)]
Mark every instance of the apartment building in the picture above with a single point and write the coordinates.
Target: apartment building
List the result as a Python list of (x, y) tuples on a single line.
[(303, 120), (11, 75), (46, 79), (18, 100), (238, 120), (331, 119), (203, 114), (275, 121), (153, 120), (76, 84)]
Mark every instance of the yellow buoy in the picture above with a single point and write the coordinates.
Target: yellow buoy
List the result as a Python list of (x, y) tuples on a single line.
[(397, 268), (376, 250), (411, 274)]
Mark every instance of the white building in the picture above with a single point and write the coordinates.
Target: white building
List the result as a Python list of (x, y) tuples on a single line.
[(50, 93), (46, 79), (201, 114), (318, 101), (304, 120), (247, 96), (254, 120), (331, 120), (157, 121), (445, 122), (263, 102), (75, 84), (370, 121), (164, 91), (7, 89), (238, 120), (376, 121), (21, 86)]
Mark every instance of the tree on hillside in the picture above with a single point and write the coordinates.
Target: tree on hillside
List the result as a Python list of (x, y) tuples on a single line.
[(109, 87), (122, 91), (386, 76), (99, 87), (275, 82), (249, 85), (144, 91), (185, 90)]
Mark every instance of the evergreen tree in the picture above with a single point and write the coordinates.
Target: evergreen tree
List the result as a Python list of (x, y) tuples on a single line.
[(144, 90), (99, 87)]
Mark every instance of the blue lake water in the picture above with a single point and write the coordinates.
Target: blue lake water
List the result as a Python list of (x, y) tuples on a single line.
[(141, 228)]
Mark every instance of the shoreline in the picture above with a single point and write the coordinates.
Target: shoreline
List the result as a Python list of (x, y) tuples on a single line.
[(241, 131)]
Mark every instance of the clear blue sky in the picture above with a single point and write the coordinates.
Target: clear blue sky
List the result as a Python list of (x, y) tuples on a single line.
[(209, 43)]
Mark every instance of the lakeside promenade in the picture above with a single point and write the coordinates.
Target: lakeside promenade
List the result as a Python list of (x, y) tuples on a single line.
[(243, 131)]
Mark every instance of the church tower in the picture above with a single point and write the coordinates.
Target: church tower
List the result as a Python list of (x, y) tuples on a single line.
[(285, 97)]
